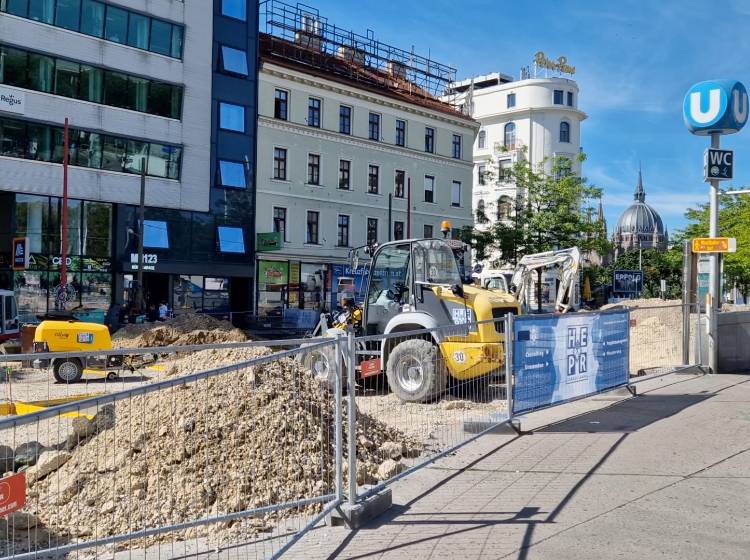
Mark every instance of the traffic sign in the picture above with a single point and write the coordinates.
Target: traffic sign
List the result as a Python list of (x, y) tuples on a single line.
[(718, 164), (714, 245)]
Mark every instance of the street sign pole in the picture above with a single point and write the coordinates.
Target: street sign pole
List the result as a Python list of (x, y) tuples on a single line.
[(714, 272)]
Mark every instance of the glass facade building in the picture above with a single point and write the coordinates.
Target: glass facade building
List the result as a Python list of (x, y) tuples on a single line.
[(194, 259)]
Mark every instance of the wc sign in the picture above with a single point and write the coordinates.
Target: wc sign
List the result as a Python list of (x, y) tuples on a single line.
[(718, 164), (715, 106)]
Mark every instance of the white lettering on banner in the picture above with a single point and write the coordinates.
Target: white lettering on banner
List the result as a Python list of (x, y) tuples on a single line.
[(12, 100), (148, 258), (578, 341)]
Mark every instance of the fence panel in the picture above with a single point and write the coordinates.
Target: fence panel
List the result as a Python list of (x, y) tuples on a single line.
[(422, 394), (657, 338), (559, 358), (238, 460)]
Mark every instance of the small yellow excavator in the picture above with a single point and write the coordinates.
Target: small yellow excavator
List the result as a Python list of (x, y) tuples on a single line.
[(412, 285)]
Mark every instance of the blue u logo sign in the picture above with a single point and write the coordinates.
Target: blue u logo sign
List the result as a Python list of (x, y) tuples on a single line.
[(715, 106)]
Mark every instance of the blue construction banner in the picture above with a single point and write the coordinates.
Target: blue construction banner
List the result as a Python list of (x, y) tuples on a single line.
[(558, 358)]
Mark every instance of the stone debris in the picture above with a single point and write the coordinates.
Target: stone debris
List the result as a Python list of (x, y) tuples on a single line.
[(186, 328), (257, 436)]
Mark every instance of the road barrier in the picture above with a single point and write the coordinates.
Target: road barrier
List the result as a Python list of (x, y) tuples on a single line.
[(244, 459)]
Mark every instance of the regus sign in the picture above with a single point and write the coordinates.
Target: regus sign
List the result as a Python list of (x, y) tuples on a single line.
[(715, 106)]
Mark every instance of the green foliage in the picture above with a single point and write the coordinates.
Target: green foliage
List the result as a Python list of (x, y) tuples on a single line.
[(734, 221), (657, 266), (551, 211)]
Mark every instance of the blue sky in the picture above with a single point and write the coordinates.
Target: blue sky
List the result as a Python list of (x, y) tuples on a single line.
[(634, 60)]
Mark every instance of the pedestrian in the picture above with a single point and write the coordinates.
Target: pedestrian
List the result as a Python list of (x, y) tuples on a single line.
[(163, 311)]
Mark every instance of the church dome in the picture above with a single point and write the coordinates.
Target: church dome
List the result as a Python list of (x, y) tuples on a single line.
[(640, 218)]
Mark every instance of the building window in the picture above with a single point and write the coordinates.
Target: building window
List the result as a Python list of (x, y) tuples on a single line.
[(236, 9), (427, 231), (345, 174), (429, 188), (504, 170), (233, 61), (88, 149), (281, 105), (231, 117), (400, 132), (343, 233), (313, 112), (372, 231), (564, 132), (510, 136), (374, 127), (511, 100), (558, 97), (373, 179), (398, 231), (155, 234), (480, 208), (279, 163), (345, 119), (68, 78), (504, 208), (482, 174), (313, 169), (98, 19), (482, 141), (400, 187), (570, 99), (312, 227), (231, 240), (279, 221), (429, 140), (456, 193), (457, 146), (232, 174)]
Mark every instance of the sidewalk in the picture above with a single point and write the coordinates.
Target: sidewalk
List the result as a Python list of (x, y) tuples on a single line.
[(662, 475)]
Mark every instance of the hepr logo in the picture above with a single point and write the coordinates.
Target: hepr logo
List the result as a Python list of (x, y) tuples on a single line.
[(716, 106)]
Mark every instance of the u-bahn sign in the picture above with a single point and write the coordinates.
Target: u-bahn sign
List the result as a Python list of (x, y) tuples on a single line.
[(715, 106)]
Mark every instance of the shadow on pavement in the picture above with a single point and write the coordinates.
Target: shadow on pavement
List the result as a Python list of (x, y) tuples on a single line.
[(627, 416)]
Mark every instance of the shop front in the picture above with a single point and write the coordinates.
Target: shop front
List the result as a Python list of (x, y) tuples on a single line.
[(292, 293), (35, 222)]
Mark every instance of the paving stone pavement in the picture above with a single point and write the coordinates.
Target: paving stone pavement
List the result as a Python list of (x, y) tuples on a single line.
[(662, 475)]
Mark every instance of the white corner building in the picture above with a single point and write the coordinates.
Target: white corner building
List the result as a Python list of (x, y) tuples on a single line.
[(532, 118)]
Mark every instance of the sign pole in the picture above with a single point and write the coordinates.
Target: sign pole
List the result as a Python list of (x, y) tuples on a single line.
[(64, 231), (714, 272), (141, 232)]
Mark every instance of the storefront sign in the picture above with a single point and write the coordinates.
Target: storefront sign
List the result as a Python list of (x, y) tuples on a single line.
[(294, 276), (96, 265), (560, 65), (20, 253), (150, 261), (12, 100), (269, 241), (273, 273), (346, 279), (628, 282)]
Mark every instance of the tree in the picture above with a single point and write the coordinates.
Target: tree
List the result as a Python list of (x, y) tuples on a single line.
[(734, 221), (656, 265), (550, 211)]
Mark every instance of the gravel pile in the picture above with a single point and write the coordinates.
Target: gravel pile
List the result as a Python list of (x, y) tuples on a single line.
[(186, 328), (259, 436)]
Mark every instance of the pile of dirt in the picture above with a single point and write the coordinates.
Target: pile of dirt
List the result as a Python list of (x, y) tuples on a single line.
[(259, 436), (186, 328)]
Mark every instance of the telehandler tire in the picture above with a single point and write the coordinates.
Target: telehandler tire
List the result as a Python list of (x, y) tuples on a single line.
[(322, 364), (416, 371), (67, 370)]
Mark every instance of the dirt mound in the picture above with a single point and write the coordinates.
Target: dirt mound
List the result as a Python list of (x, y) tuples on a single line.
[(186, 328), (258, 436)]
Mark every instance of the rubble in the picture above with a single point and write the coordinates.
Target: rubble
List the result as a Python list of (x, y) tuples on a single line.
[(186, 328), (253, 437)]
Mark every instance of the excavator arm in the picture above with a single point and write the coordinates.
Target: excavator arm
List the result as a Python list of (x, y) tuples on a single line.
[(568, 260)]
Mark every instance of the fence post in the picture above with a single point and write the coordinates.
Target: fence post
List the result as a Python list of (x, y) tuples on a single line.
[(352, 416), (338, 422), (509, 363)]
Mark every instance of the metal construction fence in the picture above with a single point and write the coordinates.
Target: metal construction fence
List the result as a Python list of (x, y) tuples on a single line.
[(243, 459)]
